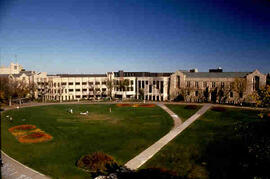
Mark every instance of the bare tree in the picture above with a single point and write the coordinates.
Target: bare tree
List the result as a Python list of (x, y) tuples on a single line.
[(44, 89), (122, 85), (21, 89), (141, 93), (110, 86), (239, 86), (32, 87), (92, 90)]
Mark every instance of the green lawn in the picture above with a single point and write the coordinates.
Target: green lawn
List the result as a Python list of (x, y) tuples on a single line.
[(182, 110), (216, 146), (123, 134)]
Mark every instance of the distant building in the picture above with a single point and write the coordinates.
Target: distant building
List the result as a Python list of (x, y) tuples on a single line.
[(191, 86), (12, 69)]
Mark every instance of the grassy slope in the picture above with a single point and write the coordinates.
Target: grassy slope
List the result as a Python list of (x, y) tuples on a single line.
[(180, 110), (186, 154), (123, 133)]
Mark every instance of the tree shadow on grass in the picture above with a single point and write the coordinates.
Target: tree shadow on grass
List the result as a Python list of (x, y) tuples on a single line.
[(245, 153)]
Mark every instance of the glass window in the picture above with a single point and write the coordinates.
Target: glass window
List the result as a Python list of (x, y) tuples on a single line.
[(188, 84)]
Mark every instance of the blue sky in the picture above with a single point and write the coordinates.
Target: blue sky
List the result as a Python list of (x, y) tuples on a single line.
[(96, 36)]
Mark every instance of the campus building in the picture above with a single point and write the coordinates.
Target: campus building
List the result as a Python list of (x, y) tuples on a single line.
[(190, 86)]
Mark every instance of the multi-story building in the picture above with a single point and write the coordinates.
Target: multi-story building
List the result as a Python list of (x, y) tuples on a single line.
[(191, 86), (215, 85)]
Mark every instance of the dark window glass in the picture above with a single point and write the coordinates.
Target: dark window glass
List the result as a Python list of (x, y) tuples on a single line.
[(196, 84), (178, 81), (188, 84), (222, 84)]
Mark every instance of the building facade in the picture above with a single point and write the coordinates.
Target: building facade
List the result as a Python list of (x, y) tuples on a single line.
[(190, 86)]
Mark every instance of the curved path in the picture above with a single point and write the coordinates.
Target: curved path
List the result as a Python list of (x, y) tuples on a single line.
[(144, 156), (13, 169)]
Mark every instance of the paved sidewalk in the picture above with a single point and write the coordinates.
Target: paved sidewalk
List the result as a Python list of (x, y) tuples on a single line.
[(144, 156), (177, 120), (13, 169)]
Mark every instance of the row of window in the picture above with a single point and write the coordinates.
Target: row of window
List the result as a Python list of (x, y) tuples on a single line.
[(157, 84), (117, 82), (76, 96), (231, 94), (124, 89), (79, 83), (153, 98), (77, 90), (213, 84)]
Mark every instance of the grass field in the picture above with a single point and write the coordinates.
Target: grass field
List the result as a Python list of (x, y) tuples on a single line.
[(123, 134), (183, 111), (214, 147)]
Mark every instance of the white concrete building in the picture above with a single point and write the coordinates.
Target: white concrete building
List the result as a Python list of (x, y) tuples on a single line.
[(214, 85)]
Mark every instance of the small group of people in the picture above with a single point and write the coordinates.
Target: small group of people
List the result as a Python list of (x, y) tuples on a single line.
[(10, 118), (82, 113)]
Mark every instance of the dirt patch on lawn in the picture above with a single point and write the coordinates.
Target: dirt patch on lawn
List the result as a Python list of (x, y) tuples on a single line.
[(94, 117), (135, 105)]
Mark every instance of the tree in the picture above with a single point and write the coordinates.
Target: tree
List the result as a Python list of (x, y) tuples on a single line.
[(261, 97), (21, 89), (61, 90), (141, 93), (110, 86), (44, 89), (7, 90), (239, 86), (32, 88), (122, 85)]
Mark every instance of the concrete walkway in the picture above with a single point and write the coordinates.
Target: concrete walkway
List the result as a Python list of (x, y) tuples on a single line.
[(176, 118), (144, 156), (13, 169)]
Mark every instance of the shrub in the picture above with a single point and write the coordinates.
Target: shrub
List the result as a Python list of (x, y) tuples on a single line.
[(190, 107), (218, 109), (98, 163)]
